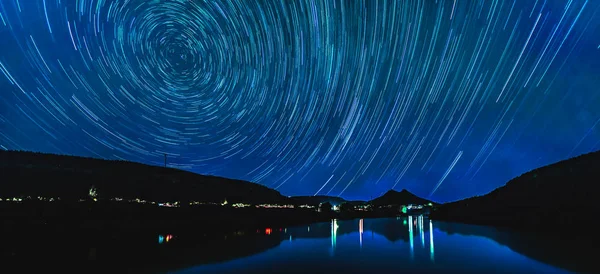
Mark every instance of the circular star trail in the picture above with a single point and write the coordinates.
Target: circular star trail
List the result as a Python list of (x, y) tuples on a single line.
[(445, 98)]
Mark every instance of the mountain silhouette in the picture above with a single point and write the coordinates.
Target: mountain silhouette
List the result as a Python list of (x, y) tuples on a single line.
[(71, 177), (403, 197), (562, 193)]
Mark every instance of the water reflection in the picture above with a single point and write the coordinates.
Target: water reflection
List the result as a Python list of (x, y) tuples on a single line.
[(410, 236), (360, 231), (324, 247), (421, 231), (415, 226), (431, 241), (334, 228), (404, 244), (164, 239)]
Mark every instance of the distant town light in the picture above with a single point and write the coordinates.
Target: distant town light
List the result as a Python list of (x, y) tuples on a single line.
[(93, 193)]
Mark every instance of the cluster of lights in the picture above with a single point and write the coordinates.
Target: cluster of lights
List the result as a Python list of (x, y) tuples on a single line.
[(204, 203), (136, 200), (39, 198), (306, 206), (46, 199), (274, 206), (365, 207), (175, 204), (11, 199), (240, 205)]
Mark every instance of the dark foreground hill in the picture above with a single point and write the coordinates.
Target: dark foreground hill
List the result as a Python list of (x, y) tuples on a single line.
[(403, 197), (70, 177), (562, 193)]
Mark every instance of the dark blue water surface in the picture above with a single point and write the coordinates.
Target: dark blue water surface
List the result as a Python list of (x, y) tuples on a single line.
[(395, 245)]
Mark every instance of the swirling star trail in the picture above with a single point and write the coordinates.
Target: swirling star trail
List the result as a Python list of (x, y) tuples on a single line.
[(448, 99)]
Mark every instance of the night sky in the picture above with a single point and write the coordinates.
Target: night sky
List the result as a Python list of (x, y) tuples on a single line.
[(447, 99)]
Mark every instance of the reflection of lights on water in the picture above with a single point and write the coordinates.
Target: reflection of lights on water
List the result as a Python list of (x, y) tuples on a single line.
[(431, 240), (360, 230), (334, 228), (421, 233), (164, 239), (410, 237)]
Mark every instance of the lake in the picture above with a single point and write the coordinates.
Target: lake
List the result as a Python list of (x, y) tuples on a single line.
[(387, 245), (396, 245)]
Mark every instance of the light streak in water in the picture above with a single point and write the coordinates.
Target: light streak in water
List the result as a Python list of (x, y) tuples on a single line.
[(431, 241), (360, 231), (164, 239), (410, 237), (334, 227), (421, 233)]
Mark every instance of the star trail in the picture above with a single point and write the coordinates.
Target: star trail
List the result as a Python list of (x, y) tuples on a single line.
[(447, 99)]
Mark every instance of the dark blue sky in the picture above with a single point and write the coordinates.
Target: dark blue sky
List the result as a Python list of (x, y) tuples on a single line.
[(447, 99)]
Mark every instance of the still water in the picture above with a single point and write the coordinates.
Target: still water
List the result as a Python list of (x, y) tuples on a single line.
[(395, 245), (388, 245)]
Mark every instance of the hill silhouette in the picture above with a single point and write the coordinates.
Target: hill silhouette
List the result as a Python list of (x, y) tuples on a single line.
[(562, 193), (403, 197), (70, 177)]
